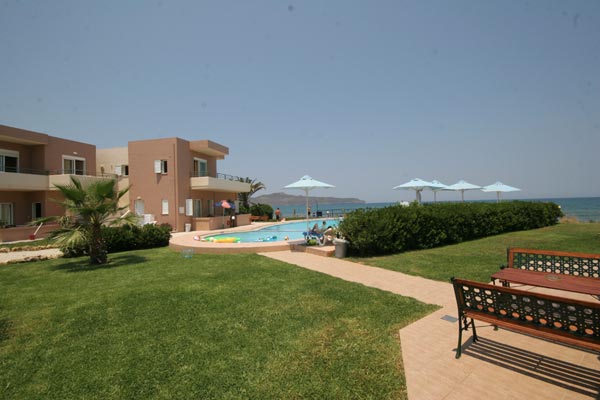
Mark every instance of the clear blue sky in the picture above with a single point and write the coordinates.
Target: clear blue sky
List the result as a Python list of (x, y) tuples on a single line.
[(364, 95)]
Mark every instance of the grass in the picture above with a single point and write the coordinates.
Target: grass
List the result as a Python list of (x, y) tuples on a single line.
[(28, 243), (153, 324), (478, 259)]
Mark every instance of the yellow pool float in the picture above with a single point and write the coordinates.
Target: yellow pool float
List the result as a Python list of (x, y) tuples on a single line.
[(225, 240)]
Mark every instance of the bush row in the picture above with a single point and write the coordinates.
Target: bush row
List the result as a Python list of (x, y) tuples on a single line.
[(399, 228), (261, 210), (126, 238)]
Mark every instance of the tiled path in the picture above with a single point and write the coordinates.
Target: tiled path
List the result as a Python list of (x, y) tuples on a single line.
[(502, 365)]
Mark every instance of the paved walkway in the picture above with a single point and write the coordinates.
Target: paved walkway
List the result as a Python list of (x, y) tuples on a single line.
[(24, 255), (502, 365)]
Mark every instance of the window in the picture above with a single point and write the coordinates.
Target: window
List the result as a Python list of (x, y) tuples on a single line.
[(165, 207), (189, 207), (210, 205), (122, 170), (138, 205), (73, 165), (6, 213), (197, 208), (200, 167), (9, 161), (160, 166), (36, 211)]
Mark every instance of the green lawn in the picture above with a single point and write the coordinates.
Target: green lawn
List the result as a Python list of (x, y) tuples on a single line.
[(153, 324), (478, 259)]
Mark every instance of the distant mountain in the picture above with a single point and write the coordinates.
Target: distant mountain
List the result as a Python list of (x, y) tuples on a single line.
[(284, 199)]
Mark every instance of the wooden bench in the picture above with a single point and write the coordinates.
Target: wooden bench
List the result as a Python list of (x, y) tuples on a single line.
[(557, 262), (569, 321)]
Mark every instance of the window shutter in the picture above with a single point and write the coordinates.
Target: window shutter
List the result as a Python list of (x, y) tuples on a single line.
[(157, 166), (165, 207), (118, 170), (189, 207)]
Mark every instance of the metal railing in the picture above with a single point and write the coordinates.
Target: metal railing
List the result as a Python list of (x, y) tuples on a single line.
[(58, 172), (226, 177)]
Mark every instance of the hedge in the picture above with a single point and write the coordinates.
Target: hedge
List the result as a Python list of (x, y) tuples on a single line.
[(399, 228), (126, 238), (260, 210)]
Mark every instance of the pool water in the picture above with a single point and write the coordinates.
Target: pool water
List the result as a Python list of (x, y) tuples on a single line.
[(277, 232)]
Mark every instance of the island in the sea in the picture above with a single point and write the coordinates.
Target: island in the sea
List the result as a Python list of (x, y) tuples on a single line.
[(284, 199)]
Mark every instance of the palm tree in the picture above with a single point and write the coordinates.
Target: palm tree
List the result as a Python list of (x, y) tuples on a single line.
[(255, 186), (87, 210)]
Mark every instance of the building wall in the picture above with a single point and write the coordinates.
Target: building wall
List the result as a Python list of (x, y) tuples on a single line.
[(149, 186), (25, 156), (58, 147), (39, 152), (22, 203), (108, 159), (174, 186)]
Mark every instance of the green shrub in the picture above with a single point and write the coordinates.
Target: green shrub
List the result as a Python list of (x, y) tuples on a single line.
[(397, 228), (262, 209), (125, 238)]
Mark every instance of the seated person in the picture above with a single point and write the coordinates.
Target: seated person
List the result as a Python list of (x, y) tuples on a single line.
[(315, 229)]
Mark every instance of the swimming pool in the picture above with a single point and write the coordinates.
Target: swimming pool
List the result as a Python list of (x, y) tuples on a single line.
[(273, 233)]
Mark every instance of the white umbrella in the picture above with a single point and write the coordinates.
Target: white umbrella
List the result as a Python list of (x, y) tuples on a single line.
[(417, 185), (499, 187), (462, 186), (437, 186), (307, 183)]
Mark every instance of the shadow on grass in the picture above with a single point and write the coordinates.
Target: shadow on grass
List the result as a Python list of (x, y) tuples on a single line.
[(4, 329), (114, 261)]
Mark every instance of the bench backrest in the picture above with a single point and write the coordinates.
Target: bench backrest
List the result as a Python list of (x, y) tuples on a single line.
[(558, 262), (566, 317)]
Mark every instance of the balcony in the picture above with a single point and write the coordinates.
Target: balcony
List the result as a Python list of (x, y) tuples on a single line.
[(222, 183), (29, 180)]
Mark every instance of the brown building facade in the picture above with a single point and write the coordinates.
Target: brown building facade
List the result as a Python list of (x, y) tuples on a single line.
[(175, 181), (31, 164), (171, 180)]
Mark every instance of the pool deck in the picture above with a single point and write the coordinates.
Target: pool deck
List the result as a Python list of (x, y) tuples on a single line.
[(185, 241)]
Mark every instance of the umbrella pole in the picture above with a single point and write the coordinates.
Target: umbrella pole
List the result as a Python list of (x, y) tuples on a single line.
[(307, 230), (462, 195)]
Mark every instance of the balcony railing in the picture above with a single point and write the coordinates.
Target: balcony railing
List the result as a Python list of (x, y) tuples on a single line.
[(57, 172), (219, 176)]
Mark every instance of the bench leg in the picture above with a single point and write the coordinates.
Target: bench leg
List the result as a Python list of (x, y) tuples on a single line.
[(463, 325), (460, 329), (475, 337)]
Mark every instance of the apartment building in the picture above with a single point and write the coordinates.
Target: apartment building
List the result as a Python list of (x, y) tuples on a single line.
[(175, 181), (171, 180), (31, 163)]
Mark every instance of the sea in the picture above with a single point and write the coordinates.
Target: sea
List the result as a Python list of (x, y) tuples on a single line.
[(584, 209)]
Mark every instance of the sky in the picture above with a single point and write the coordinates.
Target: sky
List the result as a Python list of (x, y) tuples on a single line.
[(364, 95)]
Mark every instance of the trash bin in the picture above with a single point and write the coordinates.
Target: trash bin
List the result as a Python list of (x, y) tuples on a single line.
[(188, 227), (341, 247)]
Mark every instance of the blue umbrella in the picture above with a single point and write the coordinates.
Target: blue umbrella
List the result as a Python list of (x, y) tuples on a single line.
[(307, 184), (499, 187), (417, 185), (461, 186)]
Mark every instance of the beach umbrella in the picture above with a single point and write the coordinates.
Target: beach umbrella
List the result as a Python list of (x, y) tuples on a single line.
[(417, 185), (224, 204), (307, 184), (437, 186), (499, 187), (461, 186)]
